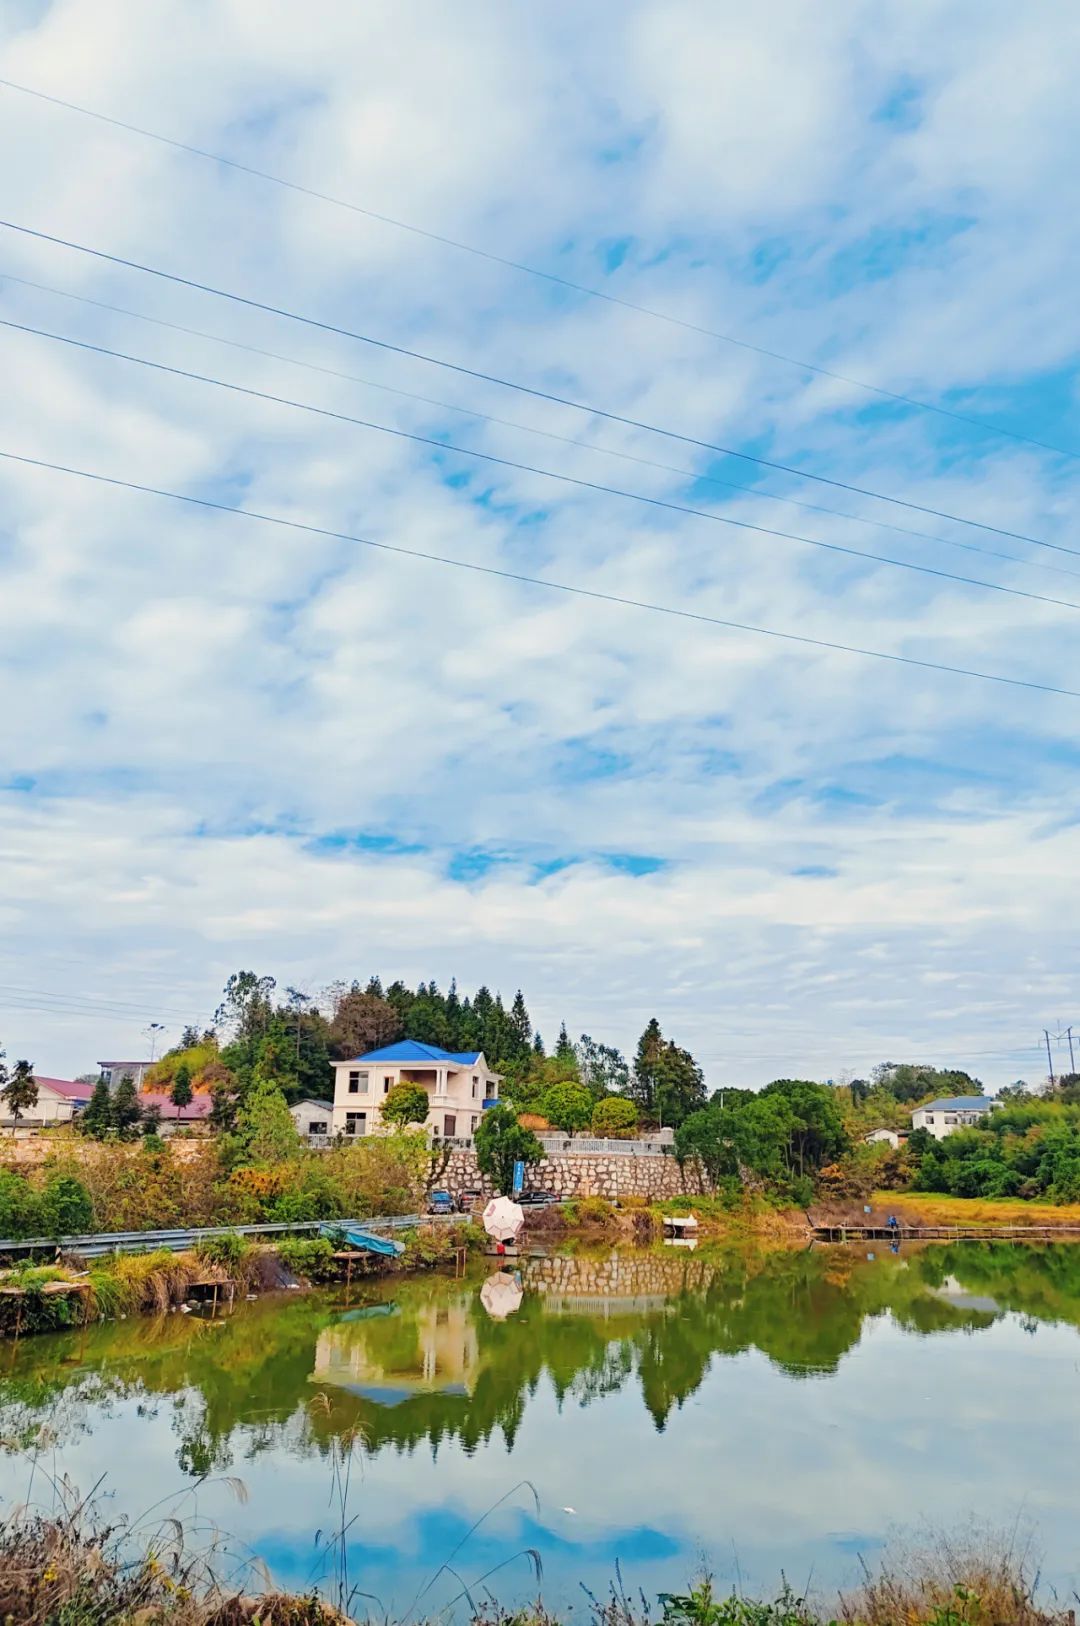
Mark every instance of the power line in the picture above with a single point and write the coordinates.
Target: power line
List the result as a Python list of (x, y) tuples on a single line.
[(529, 468), (546, 276), (530, 429), (538, 581), (523, 389)]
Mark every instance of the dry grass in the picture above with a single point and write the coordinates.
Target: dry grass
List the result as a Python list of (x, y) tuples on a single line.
[(70, 1571), (982, 1580), (927, 1208)]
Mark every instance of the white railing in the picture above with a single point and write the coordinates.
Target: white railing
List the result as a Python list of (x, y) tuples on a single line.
[(576, 1146)]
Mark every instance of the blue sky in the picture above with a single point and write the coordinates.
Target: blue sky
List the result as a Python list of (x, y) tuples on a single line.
[(224, 744)]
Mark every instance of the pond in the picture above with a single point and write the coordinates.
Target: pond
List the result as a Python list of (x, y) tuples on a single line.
[(758, 1412)]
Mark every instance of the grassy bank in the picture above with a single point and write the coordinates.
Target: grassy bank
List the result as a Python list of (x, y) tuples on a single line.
[(48, 1298), (927, 1208), (70, 1571)]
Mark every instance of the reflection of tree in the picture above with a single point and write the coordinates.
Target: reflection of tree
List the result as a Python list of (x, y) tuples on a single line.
[(438, 1368)]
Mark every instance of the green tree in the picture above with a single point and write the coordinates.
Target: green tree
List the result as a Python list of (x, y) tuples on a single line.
[(500, 1143), (601, 1068), (265, 1132), (20, 1091), (520, 1026), (614, 1118), (680, 1084), (182, 1094), (645, 1080), (96, 1118), (405, 1104), (817, 1135), (363, 1020), (66, 1208), (126, 1111), (245, 1013), (565, 1054), (568, 1106)]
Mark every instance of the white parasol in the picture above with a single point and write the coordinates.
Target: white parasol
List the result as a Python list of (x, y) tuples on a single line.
[(501, 1295), (503, 1219)]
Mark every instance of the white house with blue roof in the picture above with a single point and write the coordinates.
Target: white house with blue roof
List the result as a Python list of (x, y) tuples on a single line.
[(943, 1117), (459, 1086)]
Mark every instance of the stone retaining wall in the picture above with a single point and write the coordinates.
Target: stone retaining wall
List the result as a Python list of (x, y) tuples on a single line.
[(578, 1176)]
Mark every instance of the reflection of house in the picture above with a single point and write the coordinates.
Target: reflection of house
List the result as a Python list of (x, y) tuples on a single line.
[(113, 1071), (390, 1357), (57, 1103), (954, 1293), (458, 1087), (949, 1113)]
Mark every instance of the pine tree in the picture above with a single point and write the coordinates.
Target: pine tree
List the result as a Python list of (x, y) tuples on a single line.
[(538, 1044), (181, 1092), (21, 1091), (520, 1027), (564, 1050), (96, 1118), (647, 1062), (126, 1111)]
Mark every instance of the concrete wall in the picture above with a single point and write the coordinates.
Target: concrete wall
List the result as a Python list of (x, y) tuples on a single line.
[(577, 1176)]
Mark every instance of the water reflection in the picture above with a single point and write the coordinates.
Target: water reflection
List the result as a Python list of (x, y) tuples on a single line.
[(428, 1359)]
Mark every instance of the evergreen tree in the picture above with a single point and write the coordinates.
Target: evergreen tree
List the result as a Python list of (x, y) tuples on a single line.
[(21, 1091), (565, 1054), (646, 1076), (538, 1044), (96, 1118), (126, 1111), (264, 1126), (181, 1092), (680, 1085), (520, 1027), (453, 1019), (483, 1009)]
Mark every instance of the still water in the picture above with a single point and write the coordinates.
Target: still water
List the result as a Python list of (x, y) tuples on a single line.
[(768, 1412)]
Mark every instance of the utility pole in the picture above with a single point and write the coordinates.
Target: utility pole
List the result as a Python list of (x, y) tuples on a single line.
[(1049, 1057), (1072, 1063), (153, 1030)]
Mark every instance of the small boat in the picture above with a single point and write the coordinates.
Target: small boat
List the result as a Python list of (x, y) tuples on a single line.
[(363, 1241)]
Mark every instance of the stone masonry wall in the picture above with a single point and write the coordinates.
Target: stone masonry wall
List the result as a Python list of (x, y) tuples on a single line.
[(585, 1175)]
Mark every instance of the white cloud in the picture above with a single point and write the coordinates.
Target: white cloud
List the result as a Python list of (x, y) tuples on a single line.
[(195, 700)]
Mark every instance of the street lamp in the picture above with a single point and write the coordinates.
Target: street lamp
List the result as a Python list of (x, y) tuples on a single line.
[(152, 1032)]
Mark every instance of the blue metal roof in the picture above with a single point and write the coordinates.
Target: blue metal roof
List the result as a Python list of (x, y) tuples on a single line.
[(411, 1050), (957, 1103)]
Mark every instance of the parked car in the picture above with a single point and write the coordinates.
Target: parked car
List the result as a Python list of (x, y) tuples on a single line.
[(537, 1199), (440, 1202), (469, 1199)]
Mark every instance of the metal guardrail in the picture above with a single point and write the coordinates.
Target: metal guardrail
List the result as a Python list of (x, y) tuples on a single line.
[(92, 1246)]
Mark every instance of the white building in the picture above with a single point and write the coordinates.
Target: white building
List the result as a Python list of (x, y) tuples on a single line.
[(114, 1072), (313, 1118), (458, 1085), (890, 1137), (59, 1099), (952, 1112)]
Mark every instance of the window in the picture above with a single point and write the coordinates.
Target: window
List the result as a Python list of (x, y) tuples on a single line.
[(475, 1088), (356, 1123), (387, 1084), (317, 1126), (354, 1083), (450, 1124), (950, 1118), (929, 1117), (475, 1121)]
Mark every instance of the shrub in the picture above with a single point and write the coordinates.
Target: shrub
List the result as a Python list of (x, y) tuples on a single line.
[(226, 1251), (568, 1106), (66, 1209), (311, 1257), (20, 1206), (614, 1118)]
